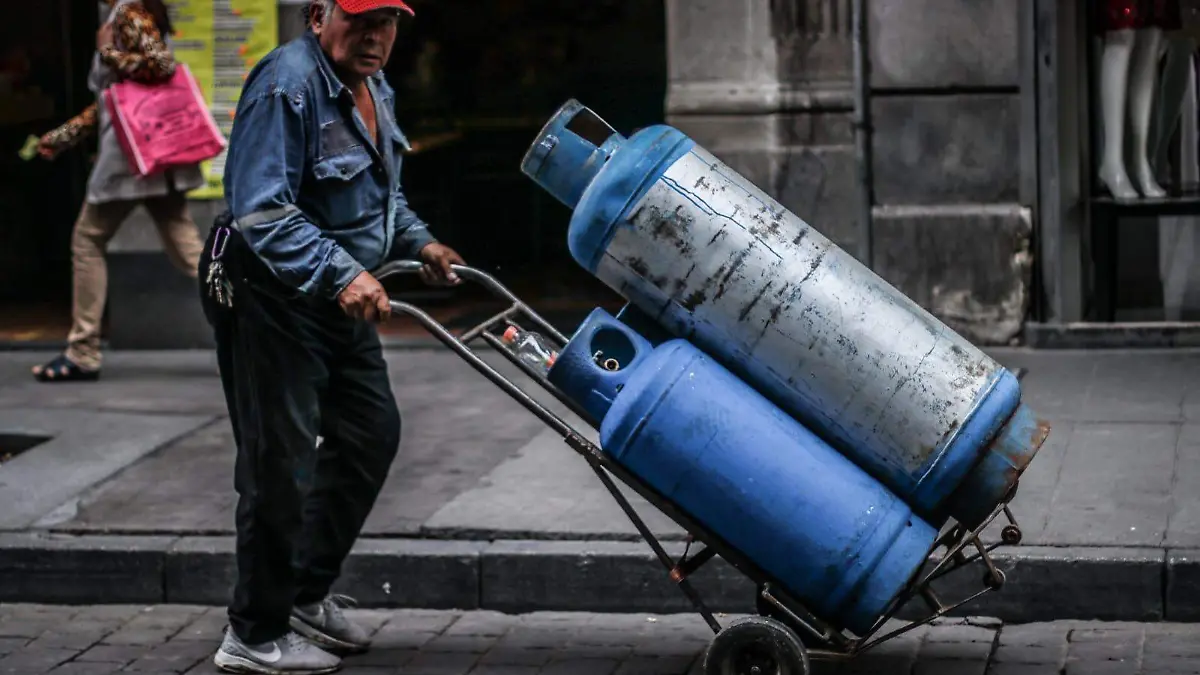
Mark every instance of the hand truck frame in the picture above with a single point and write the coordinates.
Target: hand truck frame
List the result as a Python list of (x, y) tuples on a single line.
[(779, 639)]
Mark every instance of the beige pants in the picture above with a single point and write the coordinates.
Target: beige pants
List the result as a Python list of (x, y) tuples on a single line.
[(95, 228)]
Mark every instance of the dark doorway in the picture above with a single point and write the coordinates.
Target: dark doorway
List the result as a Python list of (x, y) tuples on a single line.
[(475, 82), (43, 66)]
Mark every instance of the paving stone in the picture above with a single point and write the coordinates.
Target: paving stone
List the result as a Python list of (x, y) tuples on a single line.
[(483, 624), (504, 669), (35, 660), (86, 668), (467, 644), (440, 664), (11, 644), (419, 620), (119, 654), (368, 670), (173, 656), (503, 654), (487, 642), (578, 666), (951, 667), (1035, 635), (1023, 669), (382, 656), (401, 639), (962, 633), (648, 665), (203, 627), (1030, 655)]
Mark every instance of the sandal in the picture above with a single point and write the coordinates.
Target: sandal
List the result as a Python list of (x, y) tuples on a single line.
[(62, 369)]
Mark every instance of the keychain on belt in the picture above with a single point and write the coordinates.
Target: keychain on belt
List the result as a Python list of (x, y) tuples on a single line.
[(219, 287)]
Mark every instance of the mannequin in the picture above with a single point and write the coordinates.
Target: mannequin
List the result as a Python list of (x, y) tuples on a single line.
[(1133, 35), (1177, 71)]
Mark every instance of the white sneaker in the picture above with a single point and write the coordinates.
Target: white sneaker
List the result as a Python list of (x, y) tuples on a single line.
[(289, 655), (327, 625)]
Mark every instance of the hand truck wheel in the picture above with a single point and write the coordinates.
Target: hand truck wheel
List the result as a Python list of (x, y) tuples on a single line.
[(756, 646)]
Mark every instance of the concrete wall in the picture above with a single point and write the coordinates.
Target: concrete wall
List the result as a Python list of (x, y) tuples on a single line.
[(768, 86)]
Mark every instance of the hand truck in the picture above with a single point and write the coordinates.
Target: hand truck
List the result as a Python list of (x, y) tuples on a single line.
[(784, 636)]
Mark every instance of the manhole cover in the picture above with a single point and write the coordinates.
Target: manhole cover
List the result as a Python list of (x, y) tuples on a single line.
[(12, 445)]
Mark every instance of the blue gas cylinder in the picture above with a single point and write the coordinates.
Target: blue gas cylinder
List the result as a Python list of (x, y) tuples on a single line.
[(712, 259), (836, 538)]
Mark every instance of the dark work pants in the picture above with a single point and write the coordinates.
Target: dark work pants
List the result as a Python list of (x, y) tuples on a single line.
[(294, 368)]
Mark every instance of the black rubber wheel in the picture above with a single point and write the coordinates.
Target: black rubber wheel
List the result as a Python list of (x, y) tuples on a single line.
[(756, 646)]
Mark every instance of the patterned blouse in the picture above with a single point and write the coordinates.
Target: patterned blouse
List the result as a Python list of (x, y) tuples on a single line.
[(148, 60)]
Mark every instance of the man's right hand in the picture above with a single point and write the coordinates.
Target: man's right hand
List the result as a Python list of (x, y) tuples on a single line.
[(365, 298)]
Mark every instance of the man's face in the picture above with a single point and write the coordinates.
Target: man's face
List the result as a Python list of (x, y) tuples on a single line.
[(358, 44)]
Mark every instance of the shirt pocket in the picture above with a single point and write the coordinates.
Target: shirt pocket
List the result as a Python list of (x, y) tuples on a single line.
[(344, 187)]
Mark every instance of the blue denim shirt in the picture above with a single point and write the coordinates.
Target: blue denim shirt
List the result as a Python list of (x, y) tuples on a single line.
[(315, 198)]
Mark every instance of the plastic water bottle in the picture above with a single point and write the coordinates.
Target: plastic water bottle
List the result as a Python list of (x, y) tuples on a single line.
[(531, 348)]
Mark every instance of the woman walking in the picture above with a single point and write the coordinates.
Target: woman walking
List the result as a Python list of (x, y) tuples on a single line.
[(131, 44)]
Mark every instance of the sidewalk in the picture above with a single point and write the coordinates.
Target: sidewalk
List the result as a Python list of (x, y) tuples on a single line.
[(181, 639), (131, 499)]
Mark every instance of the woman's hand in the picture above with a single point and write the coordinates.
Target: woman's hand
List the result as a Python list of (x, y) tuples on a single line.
[(45, 150)]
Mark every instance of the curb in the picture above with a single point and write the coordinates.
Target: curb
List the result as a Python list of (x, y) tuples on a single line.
[(1043, 583)]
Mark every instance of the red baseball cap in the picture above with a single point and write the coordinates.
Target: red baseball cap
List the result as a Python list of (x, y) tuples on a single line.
[(360, 6)]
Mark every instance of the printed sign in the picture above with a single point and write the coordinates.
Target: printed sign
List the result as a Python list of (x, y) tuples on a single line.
[(220, 41)]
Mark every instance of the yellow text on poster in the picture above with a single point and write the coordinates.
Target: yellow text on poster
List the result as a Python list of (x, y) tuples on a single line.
[(220, 41)]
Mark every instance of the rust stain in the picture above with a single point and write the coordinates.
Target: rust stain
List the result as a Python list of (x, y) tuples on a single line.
[(1021, 457)]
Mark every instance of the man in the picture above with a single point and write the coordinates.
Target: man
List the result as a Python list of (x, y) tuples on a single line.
[(313, 184)]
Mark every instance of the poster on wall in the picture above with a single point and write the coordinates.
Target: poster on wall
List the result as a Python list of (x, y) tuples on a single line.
[(221, 41)]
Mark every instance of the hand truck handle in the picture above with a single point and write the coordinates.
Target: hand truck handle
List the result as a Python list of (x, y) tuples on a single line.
[(517, 306)]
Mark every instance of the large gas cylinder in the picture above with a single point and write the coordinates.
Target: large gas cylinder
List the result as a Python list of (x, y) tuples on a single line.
[(714, 260), (835, 537)]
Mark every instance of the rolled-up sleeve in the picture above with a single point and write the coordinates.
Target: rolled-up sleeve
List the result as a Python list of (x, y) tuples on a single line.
[(264, 168)]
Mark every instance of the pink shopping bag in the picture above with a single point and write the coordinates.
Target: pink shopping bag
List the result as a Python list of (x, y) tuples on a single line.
[(163, 125)]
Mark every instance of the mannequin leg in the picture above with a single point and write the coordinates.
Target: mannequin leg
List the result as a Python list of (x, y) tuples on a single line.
[(1176, 71), (1143, 81), (1114, 81)]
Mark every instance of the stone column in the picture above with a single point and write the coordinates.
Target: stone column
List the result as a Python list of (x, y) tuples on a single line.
[(952, 227)]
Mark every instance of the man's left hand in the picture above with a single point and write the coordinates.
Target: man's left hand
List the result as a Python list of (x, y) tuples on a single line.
[(437, 271)]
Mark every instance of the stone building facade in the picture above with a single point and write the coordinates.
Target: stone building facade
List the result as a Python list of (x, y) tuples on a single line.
[(947, 160), (769, 86)]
